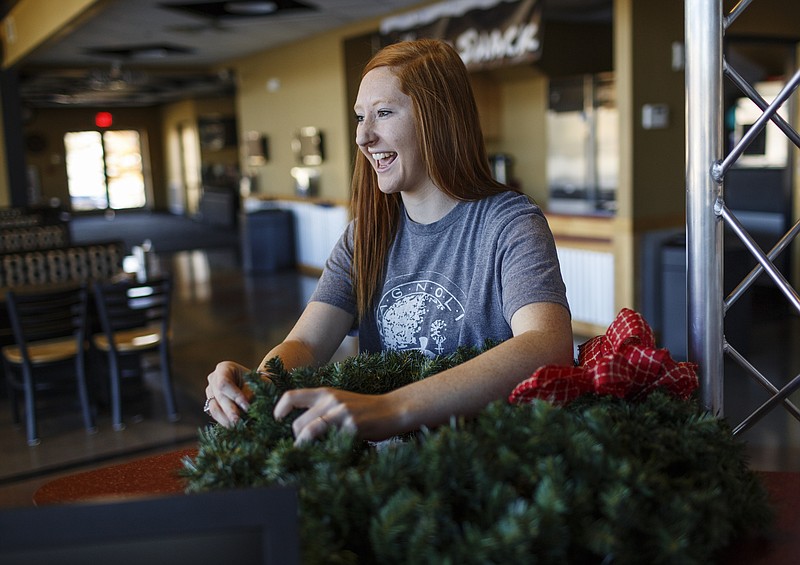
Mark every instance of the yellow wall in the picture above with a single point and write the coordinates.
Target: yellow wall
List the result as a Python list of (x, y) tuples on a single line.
[(658, 195), (524, 100), (307, 88)]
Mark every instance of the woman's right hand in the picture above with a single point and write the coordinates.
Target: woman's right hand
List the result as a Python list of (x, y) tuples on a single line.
[(227, 395)]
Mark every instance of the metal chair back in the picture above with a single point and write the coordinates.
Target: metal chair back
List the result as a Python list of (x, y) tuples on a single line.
[(49, 327), (135, 320)]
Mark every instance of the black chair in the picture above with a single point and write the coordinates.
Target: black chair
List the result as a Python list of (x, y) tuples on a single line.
[(49, 329), (135, 321)]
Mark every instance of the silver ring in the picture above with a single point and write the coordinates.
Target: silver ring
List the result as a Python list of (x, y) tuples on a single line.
[(207, 405)]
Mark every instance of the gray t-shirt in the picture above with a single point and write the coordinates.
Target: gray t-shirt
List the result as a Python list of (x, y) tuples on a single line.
[(454, 282)]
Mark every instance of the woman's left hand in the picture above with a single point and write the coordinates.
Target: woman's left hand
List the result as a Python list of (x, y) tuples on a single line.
[(370, 417)]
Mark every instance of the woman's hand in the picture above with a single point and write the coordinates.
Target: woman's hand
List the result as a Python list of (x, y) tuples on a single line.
[(311, 342), (370, 417), (226, 394)]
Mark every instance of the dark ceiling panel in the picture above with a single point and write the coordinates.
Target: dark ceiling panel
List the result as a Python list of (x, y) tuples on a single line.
[(142, 51), (241, 9)]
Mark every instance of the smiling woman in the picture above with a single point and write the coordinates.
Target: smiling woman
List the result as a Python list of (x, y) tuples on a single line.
[(440, 255)]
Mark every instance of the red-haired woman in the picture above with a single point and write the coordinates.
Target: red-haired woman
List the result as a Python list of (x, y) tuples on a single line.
[(438, 255)]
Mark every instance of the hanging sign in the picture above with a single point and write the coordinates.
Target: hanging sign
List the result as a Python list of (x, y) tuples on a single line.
[(486, 33)]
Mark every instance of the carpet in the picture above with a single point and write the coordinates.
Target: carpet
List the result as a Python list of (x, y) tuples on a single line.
[(167, 232)]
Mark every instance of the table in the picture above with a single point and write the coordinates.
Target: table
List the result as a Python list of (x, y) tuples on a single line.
[(781, 545)]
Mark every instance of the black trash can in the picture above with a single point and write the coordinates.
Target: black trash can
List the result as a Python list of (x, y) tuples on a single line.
[(673, 297), (268, 241), (674, 330)]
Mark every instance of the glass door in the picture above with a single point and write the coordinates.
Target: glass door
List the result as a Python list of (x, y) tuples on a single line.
[(105, 170)]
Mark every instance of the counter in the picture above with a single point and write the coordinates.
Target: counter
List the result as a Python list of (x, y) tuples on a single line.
[(317, 225), (585, 246)]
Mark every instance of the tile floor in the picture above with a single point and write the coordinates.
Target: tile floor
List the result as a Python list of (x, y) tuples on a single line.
[(222, 314)]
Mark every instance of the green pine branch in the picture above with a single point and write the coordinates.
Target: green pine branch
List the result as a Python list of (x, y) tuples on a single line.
[(602, 479)]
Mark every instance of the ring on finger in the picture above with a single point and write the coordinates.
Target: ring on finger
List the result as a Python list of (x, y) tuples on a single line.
[(207, 405)]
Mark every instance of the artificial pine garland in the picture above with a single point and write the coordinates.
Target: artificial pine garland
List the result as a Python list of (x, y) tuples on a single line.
[(601, 480)]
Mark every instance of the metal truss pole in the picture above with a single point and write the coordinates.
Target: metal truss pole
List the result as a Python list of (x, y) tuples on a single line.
[(704, 244)]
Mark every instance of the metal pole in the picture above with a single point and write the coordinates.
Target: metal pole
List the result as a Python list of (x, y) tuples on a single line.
[(703, 29)]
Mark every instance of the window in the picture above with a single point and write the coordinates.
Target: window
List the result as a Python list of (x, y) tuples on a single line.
[(105, 170)]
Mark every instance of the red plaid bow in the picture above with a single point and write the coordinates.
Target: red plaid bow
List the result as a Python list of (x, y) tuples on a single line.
[(623, 362)]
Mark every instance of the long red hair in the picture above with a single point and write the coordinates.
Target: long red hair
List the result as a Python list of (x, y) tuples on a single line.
[(433, 75)]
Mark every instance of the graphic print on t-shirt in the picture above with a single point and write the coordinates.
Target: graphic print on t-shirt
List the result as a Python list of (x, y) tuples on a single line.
[(420, 311)]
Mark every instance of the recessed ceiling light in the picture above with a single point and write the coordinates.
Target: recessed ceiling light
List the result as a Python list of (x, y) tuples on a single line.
[(250, 8)]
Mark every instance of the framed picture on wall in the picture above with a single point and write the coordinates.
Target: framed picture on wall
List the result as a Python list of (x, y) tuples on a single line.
[(217, 133), (308, 147)]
